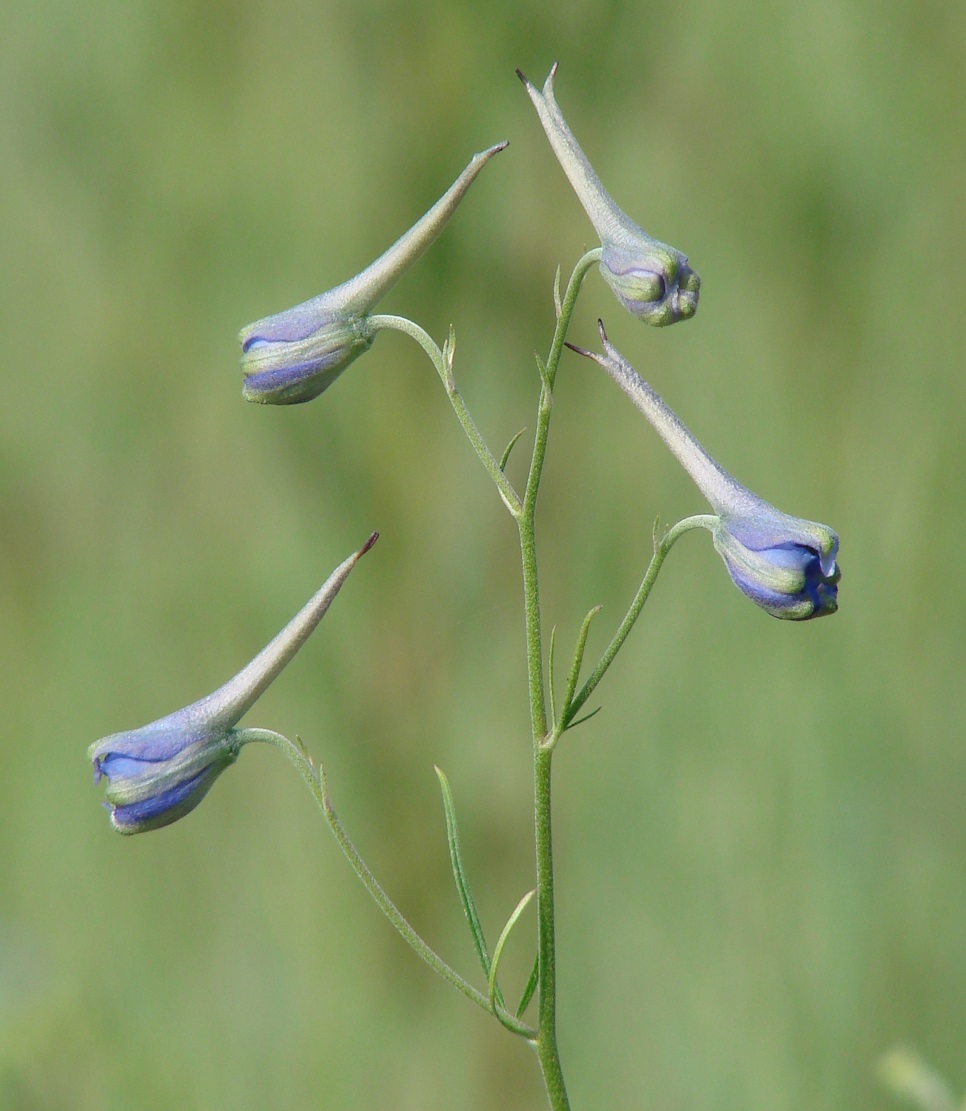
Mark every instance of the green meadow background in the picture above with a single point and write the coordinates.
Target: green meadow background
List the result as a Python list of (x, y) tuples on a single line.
[(761, 839)]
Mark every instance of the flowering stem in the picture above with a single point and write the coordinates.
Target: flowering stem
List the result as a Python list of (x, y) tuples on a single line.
[(315, 778), (546, 1042), (443, 364), (527, 518), (661, 548)]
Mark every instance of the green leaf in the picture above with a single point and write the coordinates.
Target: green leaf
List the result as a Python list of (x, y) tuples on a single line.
[(542, 368), (462, 883), (553, 708), (557, 304), (509, 448), (578, 661), (530, 988), (449, 353), (498, 951), (586, 717)]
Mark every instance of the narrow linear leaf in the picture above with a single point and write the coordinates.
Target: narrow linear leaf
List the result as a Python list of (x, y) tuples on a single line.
[(550, 683), (509, 448), (462, 883), (449, 353), (498, 951), (530, 988), (578, 659), (557, 304), (586, 717), (542, 368)]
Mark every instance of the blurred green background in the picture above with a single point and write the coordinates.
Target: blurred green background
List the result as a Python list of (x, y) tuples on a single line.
[(761, 840)]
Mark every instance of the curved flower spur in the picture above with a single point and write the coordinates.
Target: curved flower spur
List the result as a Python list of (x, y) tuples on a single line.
[(160, 772), (652, 280), (294, 355), (784, 564)]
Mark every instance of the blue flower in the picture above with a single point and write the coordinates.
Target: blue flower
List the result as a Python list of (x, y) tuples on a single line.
[(158, 773), (294, 355), (650, 279), (784, 564)]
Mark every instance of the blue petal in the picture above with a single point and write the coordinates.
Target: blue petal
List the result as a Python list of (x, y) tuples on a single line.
[(166, 807)]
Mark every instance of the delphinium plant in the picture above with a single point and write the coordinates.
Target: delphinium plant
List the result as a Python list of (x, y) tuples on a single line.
[(786, 565)]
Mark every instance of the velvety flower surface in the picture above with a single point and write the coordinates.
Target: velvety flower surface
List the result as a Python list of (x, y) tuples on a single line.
[(650, 279), (292, 356), (160, 772), (784, 564)]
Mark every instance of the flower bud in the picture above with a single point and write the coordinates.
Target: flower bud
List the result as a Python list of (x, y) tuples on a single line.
[(289, 368), (650, 279), (160, 772), (784, 564), (294, 355)]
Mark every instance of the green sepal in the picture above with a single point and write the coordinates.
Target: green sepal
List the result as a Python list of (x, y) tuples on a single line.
[(530, 988), (494, 990), (462, 883)]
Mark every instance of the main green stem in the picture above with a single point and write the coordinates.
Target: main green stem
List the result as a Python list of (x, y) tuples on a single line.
[(546, 1041)]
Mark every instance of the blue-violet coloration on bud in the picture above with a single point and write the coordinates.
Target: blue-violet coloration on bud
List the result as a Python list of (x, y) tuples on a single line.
[(650, 279), (294, 355), (160, 772), (784, 564)]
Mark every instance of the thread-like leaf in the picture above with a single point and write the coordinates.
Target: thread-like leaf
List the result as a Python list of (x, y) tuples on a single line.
[(553, 707), (498, 951), (506, 455), (530, 988), (449, 353), (578, 660), (462, 883), (542, 368), (557, 304), (586, 717)]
